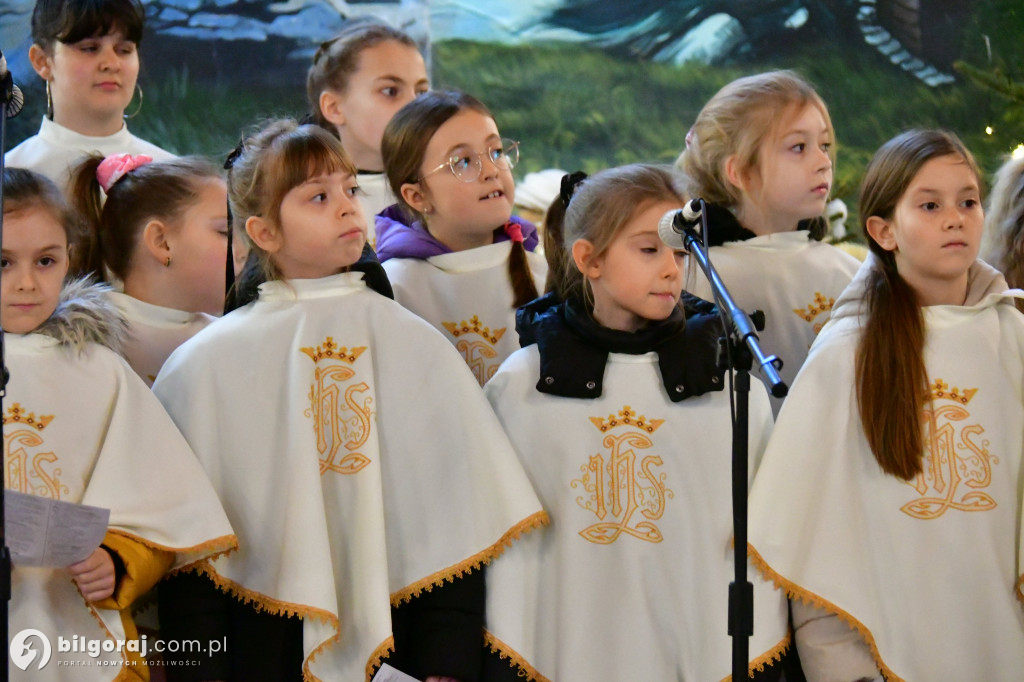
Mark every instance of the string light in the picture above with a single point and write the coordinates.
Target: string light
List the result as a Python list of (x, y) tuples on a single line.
[(1018, 151), (989, 130)]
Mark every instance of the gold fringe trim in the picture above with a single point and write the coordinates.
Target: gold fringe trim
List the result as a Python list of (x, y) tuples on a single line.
[(794, 591), (770, 657), (515, 660), (262, 602), (476, 561), (221, 546), (378, 656)]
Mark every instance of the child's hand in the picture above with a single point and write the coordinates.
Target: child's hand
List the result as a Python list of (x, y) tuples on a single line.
[(94, 575)]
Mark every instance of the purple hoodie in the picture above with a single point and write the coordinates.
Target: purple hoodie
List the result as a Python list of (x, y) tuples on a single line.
[(396, 239)]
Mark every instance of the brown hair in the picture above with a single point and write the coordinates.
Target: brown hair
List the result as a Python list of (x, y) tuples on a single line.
[(891, 377), (600, 207), (403, 148), (273, 161), (160, 190), (25, 189), (735, 122), (69, 21), (1003, 242), (338, 58)]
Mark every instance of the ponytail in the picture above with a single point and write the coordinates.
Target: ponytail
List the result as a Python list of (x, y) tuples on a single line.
[(891, 378), (85, 197), (523, 288), (554, 245)]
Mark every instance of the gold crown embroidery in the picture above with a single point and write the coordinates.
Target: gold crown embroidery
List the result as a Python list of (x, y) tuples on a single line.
[(479, 355), (820, 305), (16, 414), (26, 469), (940, 390), (626, 417), (622, 483), (329, 349), (957, 464), (340, 410), (474, 326)]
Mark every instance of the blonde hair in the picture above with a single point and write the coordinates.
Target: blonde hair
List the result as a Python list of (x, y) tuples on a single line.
[(1003, 240), (600, 207), (273, 161), (736, 122)]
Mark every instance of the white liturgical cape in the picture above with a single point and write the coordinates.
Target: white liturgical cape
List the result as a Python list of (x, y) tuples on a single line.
[(792, 279), (355, 454), (55, 150), (631, 579), (154, 332), (85, 429), (926, 570), (467, 296)]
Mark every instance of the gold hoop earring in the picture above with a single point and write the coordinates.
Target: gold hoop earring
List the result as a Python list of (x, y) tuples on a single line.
[(138, 88), (49, 102)]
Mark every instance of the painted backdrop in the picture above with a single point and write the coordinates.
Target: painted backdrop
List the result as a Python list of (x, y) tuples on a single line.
[(585, 83)]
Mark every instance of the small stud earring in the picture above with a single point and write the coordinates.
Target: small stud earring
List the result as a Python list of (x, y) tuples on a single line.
[(167, 263)]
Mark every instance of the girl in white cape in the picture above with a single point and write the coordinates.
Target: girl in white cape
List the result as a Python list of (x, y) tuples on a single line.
[(80, 427), (162, 232), (367, 475), (761, 154), (889, 500), (455, 254), (87, 52), (616, 408), (358, 80)]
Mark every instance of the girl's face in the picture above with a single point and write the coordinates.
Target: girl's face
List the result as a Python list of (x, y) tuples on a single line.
[(792, 180), (198, 248), (388, 76), (35, 261), (935, 231), (322, 230), (638, 279), (91, 81), (463, 215)]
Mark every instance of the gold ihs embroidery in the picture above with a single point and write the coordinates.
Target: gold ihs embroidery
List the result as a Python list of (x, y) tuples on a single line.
[(620, 483), (341, 413), (821, 304), (34, 473), (478, 354), (954, 459)]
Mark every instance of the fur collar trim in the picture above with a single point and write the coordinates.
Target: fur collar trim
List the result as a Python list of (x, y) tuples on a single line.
[(85, 315)]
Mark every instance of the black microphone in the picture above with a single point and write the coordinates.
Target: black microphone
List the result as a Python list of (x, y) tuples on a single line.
[(10, 92), (672, 226)]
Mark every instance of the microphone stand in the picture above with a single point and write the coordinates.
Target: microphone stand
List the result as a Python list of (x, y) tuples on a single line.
[(6, 97), (746, 350)]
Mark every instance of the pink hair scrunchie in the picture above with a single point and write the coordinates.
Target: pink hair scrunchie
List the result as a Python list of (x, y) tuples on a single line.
[(514, 231), (113, 168)]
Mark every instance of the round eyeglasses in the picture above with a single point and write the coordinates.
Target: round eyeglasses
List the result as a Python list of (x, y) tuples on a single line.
[(465, 162)]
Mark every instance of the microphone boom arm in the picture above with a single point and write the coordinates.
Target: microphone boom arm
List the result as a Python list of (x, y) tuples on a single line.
[(742, 326)]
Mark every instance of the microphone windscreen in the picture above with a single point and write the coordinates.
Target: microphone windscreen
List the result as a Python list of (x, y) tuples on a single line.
[(668, 233)]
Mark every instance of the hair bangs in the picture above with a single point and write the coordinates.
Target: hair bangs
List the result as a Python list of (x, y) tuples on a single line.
[(92, 18)]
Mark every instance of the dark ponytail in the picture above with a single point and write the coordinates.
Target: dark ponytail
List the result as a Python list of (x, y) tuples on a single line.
[(524, 289)]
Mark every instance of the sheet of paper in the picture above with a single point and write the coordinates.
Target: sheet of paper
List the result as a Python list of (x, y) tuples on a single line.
[(388, 674), (51, 533)]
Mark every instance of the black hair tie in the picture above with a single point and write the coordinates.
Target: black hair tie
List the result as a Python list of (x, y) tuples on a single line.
[(569, 184)]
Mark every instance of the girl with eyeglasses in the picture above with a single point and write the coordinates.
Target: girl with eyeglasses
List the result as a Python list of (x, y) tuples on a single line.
[(455, 254), (88, 54)]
